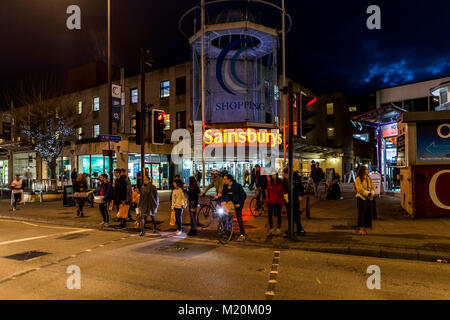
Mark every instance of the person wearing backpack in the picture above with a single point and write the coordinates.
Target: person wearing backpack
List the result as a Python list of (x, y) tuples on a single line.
[(233, 191)]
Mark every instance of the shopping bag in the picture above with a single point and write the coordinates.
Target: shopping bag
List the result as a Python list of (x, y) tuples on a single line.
[(123, 211), (98, 199), (172, 218)]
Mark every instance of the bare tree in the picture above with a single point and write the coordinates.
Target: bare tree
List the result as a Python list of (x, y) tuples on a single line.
[(46, 116)]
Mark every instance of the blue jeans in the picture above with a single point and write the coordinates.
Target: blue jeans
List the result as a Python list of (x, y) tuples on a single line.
[(178, 217)]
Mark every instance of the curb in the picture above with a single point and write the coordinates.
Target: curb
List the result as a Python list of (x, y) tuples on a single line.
[(355, 250)]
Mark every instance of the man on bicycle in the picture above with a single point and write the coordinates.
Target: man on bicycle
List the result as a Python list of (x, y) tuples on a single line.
[(217, 183), (261, 186), (234, 192)]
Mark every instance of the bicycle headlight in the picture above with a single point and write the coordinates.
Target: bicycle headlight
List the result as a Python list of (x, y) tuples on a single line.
[(221, 211)]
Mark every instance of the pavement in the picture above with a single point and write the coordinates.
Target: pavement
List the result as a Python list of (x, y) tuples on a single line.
[(331, 228)]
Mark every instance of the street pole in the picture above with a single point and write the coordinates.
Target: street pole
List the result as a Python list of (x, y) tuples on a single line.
[(110, 157), (291, 168), (143, 113), (203, 89)]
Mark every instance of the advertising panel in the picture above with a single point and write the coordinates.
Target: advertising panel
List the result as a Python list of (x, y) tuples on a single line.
[(433, 142), (430, 191)]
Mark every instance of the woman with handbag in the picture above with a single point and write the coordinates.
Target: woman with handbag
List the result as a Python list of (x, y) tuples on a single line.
[(103, 196), (80, 188), (364, 190), (178, 204)]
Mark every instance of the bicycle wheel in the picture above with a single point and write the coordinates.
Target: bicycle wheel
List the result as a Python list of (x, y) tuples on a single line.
[(225, 230), (255, 211), (204, 217)]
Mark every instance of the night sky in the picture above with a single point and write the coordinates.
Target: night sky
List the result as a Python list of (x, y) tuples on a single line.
[(329, 47)]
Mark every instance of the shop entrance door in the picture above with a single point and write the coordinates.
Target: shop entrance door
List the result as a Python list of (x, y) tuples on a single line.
[(154, 170)]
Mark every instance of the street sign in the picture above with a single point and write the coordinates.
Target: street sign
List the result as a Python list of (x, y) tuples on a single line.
[(110, 138), (116, 92), (433, 142)]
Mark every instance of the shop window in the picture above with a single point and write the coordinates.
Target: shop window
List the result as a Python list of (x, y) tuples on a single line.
[(434, 102), (80, 107), (330, 109), (180, 86), (96, 104), (444, 96), (181, 120), (352, 109), (80, 133), (164, 89), (134, 93), (330, 133), (96, 131)]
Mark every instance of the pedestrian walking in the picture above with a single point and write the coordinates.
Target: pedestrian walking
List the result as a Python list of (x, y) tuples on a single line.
[(80, 193), (178, 204), (121, 197), (274, 200), (364, 190), (233, 191), (123, 172), (148, 205), (317, 176), (298, 193), (193, 193), (17, 191), (246, 177), (104, 195)]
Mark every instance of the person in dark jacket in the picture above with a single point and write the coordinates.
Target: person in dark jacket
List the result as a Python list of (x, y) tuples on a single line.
[(80, 189), (233, 191), (335, 191), (193, 193), (317, 176), (123, 172), (120, 195), (274, 199), (74, 175), (148, 204), (106, 191), (298, 193)]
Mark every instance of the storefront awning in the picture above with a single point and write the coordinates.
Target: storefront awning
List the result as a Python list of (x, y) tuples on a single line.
[(380, 116)]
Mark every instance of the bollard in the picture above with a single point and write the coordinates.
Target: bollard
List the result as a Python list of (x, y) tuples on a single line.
[(41, 199), (308, 209)]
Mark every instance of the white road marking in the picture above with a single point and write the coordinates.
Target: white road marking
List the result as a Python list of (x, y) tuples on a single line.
[(42, 237)]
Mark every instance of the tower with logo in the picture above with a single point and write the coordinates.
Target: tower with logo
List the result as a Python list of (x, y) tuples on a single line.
[(240, 62)]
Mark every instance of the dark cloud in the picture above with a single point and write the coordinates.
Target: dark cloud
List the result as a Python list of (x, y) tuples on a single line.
[(329, 46)]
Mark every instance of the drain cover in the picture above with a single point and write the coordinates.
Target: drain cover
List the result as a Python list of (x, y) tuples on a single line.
[(26, 255), (171, 248)]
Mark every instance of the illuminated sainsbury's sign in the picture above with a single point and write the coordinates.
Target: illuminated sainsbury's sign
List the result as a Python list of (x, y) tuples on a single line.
[(243, 136)]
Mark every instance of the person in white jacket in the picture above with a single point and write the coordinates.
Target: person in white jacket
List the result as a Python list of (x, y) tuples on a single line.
[(178, 203)]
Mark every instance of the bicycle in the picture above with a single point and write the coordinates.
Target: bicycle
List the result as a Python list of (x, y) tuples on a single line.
[(225, 226), (207, 211), (257, 204)]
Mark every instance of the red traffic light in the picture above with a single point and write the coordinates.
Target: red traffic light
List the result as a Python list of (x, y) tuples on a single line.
[(161, 116)]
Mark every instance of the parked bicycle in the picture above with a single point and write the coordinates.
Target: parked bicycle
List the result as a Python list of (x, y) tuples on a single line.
[(257, 204), (207, 212)]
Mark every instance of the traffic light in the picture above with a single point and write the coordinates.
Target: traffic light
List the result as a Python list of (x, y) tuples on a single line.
[(305, 113), (137, 128), (158, 121)]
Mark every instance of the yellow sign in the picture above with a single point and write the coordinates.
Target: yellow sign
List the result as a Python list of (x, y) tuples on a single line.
[(243, 136)]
